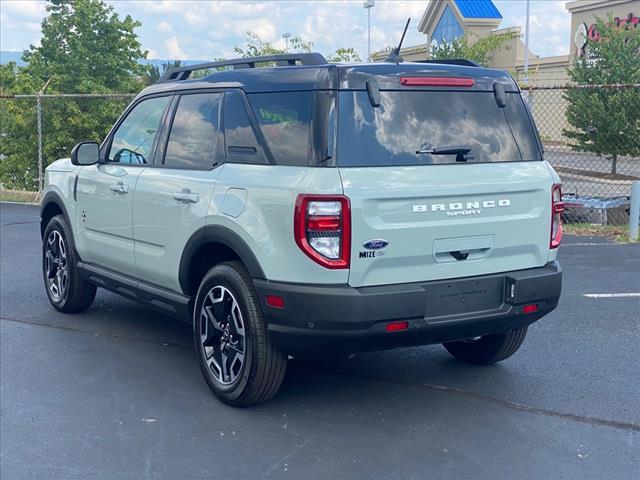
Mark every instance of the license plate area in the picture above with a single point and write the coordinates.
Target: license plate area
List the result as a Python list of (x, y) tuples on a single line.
[(457, 297)]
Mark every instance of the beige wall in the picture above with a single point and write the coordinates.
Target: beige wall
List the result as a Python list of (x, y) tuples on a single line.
[(544, 72)]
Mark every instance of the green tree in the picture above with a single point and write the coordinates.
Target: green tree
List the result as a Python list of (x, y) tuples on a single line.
[(344, 55), (256, 47), (470, 47), (85, 48), (155, 71), (18, 148), (606, 120)]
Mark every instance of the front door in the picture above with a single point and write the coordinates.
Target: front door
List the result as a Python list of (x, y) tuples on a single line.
[(105, 191)]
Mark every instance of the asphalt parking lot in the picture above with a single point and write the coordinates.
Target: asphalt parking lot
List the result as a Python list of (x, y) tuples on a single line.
[(116, 392)]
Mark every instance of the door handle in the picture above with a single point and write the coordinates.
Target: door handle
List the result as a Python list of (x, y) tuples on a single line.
[(119, 187), (185, 196)]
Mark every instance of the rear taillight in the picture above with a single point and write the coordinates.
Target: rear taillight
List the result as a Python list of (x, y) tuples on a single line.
[(322, 228), (557, 207)]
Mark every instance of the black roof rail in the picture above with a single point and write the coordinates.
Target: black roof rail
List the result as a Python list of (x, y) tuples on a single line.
[(287, 59), (452, 61)]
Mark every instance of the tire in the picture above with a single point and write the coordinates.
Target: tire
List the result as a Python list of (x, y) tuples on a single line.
[(66, 290), (489, 349), (246, 369)]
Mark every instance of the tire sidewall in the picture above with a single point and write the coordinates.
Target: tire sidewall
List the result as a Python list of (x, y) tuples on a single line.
[(225, 276)]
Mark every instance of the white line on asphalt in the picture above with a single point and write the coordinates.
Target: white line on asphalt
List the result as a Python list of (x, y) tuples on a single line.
[(611, 295)]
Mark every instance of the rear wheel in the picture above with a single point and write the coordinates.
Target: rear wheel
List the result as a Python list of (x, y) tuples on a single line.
[(236, 357), (488, 349), (68, 292)]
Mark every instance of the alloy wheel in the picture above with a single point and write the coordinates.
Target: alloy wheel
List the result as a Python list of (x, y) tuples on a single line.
[(222, 335), (56, 266)]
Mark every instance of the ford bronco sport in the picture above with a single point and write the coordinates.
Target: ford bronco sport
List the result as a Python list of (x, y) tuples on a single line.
[(284, 205)]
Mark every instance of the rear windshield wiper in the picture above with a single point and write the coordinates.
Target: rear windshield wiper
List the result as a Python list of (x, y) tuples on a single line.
[(460, 151)]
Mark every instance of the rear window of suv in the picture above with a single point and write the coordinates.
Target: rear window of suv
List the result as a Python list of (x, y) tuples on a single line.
[(406, 123)]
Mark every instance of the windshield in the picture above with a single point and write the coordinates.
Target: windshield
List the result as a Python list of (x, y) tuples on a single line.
[(418, 128)]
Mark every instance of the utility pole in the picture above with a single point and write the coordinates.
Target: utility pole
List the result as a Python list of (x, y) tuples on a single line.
[(369, 4), (39, 120), (286, 37), (526, 48)]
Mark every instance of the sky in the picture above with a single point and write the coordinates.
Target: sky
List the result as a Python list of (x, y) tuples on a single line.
[(204, 30)]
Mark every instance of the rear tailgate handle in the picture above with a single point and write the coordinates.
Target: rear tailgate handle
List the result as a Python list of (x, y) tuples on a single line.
[(462, 248), (466, 254), (185, 196), (458, 255)]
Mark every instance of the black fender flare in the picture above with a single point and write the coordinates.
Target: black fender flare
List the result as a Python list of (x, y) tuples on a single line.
[(53, 197), (221, 235)]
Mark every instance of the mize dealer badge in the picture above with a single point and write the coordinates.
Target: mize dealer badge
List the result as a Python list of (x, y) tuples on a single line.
[(373, 247)]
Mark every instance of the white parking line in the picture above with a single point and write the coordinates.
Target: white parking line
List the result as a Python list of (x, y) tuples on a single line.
[(611, 295)]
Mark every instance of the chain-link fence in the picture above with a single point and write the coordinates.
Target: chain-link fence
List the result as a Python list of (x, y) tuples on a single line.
[(590, 134), (36, 130)]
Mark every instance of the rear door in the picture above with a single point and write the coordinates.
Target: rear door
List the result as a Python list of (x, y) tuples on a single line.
[(173, 197), (442, 184)]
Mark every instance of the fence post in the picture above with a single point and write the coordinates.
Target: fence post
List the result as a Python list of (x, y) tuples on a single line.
[(39, 117), (634, 214)]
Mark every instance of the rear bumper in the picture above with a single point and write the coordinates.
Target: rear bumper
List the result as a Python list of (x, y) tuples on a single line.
[(340, 317)]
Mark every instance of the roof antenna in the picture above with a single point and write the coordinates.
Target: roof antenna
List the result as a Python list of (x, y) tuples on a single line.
[(394, 55)]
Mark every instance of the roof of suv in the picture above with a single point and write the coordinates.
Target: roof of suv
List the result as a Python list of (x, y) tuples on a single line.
[(329, 76)]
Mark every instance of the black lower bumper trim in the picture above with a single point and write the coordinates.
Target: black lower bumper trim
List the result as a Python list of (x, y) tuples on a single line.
[(347, 318)]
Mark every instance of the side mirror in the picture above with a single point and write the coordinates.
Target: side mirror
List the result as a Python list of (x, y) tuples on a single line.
[(85, 153)]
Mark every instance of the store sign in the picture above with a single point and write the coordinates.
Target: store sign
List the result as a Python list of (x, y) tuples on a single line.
[(583, 34)]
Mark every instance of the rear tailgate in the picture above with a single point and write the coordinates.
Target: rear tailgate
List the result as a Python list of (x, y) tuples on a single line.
[(444, 181), (447, 221)]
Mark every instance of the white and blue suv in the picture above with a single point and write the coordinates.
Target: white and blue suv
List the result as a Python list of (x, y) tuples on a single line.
[(287, 206)]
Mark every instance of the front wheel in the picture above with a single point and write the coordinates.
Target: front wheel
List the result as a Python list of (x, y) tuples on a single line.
[(236, 357), (67, 291), (488, 349)]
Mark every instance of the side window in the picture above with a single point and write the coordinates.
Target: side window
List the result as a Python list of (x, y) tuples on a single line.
[(133, 140), (518, 117), (285, 121), (195, 132), (240, 138)]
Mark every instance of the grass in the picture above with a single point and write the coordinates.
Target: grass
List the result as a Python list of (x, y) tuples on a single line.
[(617, 233), (591, 173), (19, 196)]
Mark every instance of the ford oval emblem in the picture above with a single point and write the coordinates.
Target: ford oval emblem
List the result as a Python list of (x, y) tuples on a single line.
[(375, 244)]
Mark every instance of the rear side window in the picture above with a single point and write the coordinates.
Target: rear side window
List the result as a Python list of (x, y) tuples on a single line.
[(240, 138), (519, 120), (285, 119), (298, 126), (406, 123), (195, 132)]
